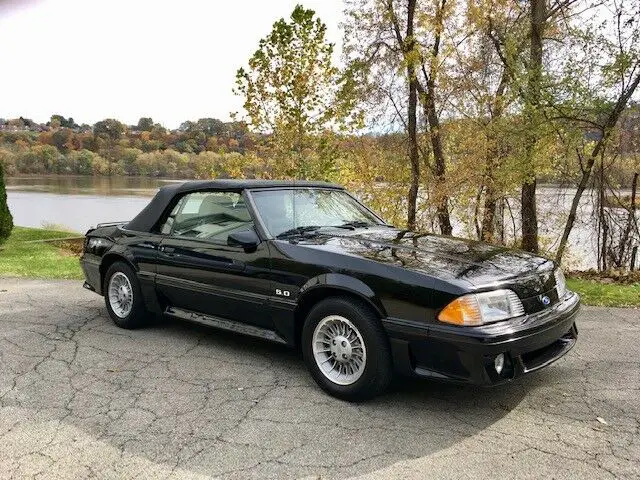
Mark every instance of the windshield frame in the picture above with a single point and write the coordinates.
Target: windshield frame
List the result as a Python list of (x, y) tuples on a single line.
[(264, 231)]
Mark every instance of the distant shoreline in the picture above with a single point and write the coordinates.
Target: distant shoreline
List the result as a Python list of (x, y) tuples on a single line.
[(160, 179), (75, 175)]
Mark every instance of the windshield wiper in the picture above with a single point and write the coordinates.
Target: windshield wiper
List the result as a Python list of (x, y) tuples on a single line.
[(352, 225), (298, 231), (355, 224)]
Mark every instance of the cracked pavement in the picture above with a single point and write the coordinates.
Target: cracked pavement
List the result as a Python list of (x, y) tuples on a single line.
[(80, 398)]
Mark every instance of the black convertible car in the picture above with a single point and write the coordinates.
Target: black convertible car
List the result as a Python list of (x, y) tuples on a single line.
[(305, 264)]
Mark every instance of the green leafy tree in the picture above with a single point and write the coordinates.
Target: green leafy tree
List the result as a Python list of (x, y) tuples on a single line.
[(212, 127), (6, 220), (398, 51), (291, 89), (82, 162), (58, 121), (109, 128), (63, 139), (602, 101), (145, 124), (128, 161), (186, 126), (38, 159)]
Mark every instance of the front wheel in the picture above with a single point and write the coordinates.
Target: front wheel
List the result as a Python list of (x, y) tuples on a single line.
[(346, 349), (123, 296)]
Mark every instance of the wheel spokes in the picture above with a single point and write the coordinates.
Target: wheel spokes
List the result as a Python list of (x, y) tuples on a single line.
[(339, 350), (120, 294)]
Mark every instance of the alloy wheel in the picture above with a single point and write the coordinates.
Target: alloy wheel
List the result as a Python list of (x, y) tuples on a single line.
[(339, 350), (120, 294)]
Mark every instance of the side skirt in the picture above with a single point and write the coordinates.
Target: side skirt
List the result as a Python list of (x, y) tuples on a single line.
[(224, 324)]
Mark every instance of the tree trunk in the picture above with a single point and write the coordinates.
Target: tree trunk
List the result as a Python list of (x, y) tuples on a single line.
[(489, 214), (529, 217), (538, 18), (493, 161), (623, 242), (440, 165), (603, 222), (412, 121), (501, 228), (431, 112), (631, 219), (611, 122)]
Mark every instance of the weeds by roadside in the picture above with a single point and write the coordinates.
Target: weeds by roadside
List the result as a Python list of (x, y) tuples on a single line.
[(27, 254)]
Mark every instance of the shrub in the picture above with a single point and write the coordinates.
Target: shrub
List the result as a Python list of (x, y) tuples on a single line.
[(100, 165), (128, 161), (172, 163), (8, 161), (165, 163), (38, 159), (6, 220), (81, 162), (205, 164), (236, 165)]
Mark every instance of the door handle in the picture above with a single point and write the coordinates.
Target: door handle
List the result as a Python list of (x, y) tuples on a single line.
[(168, 250)]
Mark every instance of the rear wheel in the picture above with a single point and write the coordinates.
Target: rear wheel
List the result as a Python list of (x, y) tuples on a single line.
[(123, 297), (346, 349)]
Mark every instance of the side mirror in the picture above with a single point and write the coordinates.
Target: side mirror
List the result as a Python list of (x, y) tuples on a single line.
[(247, 239)]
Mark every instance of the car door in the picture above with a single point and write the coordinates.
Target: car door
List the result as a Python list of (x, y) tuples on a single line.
[(198, 271)]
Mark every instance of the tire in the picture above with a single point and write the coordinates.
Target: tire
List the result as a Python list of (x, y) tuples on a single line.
[(132, 314), (326, 323)]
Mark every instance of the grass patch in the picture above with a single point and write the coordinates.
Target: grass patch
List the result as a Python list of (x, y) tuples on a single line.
[(20, 258), (594, 292)]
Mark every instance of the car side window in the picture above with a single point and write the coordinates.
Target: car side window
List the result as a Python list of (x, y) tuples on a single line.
[(208, 215)]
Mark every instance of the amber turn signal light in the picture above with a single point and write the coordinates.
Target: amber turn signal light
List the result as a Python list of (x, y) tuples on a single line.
[(462, 311), (481, 308)]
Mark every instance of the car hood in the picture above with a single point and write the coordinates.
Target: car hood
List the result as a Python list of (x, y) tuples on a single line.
[(447, 258)]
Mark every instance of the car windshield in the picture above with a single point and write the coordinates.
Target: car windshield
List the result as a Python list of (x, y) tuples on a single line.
[(297, 211)]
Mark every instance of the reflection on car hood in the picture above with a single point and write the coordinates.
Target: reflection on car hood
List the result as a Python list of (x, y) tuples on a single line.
[(438, 256)]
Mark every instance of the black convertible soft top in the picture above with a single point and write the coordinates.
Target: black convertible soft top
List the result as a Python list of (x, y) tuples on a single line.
[(148, 217)]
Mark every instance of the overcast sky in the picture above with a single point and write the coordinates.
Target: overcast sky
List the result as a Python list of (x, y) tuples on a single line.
[(170, 60)]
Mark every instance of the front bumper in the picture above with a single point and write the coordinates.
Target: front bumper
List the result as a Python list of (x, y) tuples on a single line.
[(466, 354)]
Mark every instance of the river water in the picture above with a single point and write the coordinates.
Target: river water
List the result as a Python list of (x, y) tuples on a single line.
[(76, 203)]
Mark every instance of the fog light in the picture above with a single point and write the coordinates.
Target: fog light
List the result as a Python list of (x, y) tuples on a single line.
[(498, 363)]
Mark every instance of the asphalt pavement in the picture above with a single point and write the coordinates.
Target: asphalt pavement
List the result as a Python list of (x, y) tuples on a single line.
[(80, 398)]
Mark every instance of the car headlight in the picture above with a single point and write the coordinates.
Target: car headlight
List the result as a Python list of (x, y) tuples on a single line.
[(481, 308), (561, 283)]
